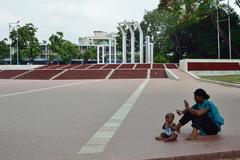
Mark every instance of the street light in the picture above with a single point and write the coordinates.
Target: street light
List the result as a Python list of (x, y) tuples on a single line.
[(218, 31), (14, 25), (10, 47), (17, 42), (229, 32)]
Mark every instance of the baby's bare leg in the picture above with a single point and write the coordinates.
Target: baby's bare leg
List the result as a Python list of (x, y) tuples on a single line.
[(171, 138), (159, 138)]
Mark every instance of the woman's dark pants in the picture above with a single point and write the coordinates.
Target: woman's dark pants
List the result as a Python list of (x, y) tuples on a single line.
[(204, 122)]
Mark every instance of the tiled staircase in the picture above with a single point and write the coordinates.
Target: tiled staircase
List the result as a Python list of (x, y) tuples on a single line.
[(158, 74), (129, 74), (83, 74), (9, 74), (91, 71), (40, 74)]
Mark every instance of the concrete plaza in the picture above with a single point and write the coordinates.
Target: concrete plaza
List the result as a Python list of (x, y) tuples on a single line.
[(59, 120)]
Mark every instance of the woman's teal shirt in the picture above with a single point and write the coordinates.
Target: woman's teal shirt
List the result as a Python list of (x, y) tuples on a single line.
[(213, 111)]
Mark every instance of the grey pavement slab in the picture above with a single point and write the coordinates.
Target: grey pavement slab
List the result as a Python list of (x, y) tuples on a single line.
[(53, 124), (135, 138)]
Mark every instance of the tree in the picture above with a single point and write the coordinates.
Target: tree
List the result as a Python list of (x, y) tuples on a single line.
[(161, 23), (4, 50), (238, 3), (28, 43), (160, 58), (66, 49), (187, 28), (90, 53)]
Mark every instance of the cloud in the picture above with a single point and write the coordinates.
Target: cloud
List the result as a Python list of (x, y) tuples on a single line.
[(74, 18), (104, 8)]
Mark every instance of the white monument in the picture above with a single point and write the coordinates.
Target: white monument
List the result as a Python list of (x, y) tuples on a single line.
[(149, 50), (124, 43), (106, 44), (132, 26)]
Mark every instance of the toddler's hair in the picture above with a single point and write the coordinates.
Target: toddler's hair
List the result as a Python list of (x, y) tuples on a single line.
[(169, 115)]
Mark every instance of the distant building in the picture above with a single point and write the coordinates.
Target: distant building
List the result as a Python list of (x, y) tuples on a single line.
[(45, 50), (104, 42), (100, 38)]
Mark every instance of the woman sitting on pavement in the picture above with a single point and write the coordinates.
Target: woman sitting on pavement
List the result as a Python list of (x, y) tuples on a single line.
[(204, 115)]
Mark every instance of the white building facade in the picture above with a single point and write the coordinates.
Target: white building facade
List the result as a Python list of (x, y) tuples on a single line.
[(105, 43)]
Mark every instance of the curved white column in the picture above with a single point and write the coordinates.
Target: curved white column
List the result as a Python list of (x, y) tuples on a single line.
[(124, 46), (132, 42), (140, 41)]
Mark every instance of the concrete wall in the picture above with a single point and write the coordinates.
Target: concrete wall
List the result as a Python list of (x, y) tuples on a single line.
[(19, 67), (184, 67), (171, 75), (215, 73), (184, 63)]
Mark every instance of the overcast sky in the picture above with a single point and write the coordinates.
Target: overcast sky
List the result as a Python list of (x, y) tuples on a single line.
[(75, 18)]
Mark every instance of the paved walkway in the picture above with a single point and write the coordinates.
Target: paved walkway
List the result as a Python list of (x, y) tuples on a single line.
[(54, 120)]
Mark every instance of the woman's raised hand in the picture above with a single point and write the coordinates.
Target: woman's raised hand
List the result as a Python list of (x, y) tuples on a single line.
[(186, 104), (179, 112)]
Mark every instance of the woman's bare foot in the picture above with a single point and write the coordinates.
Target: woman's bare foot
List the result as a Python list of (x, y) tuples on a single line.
[(191, 138), (194, 135)]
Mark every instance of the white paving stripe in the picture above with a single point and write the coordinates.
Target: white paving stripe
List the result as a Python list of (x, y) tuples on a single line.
[(8, 83), (99, 140), (45, 89)]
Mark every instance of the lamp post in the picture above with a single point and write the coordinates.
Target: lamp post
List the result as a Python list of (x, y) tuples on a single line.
[(229, 32), (10, 44), (14, 25), (218, 32), (17, 43)]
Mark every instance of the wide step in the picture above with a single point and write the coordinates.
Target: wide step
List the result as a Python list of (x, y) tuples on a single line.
[(40, 74), (8, 74), (129, 74), (158, 74), (84, 74)]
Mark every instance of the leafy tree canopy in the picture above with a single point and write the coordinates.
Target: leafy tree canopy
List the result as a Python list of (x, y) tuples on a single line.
[(4, 50), (66, 49), (188, 28), (28, 43)]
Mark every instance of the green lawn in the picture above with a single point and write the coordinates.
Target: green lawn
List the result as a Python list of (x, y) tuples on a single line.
[(228, 78)]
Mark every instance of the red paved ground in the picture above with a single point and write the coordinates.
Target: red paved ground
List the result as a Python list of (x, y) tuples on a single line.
[(158, 74), (143, 66), (129, 74), (84, 66), (127, 66), (84, 74), (97, 66), (171, 66), (111, 66), (8, 74), (158, 66), (40, 74)]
